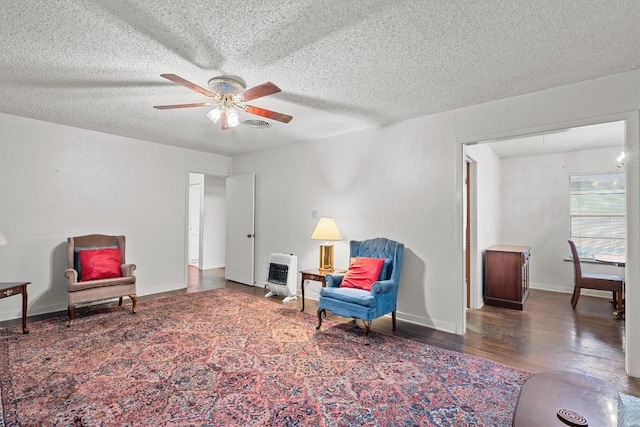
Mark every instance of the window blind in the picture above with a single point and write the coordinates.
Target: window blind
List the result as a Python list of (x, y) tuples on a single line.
[(598, 214)]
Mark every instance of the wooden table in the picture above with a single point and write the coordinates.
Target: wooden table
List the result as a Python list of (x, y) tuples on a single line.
[(618, 261), (545, 393), (317, 276), (8, 289)]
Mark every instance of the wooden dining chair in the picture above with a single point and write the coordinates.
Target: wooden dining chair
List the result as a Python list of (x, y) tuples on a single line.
[(601, 282)]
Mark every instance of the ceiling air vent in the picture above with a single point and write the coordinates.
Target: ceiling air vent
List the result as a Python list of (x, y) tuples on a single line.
[(260, 124)]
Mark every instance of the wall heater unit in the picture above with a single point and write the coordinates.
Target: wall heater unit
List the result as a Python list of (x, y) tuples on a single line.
[(282, 276)]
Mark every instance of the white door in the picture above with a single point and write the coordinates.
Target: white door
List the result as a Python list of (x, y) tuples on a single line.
[(240, 228)]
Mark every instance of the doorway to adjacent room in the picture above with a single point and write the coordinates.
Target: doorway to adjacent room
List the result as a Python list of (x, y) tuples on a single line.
[(206, 221)]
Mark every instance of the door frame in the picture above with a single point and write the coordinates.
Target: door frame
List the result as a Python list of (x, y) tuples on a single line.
[(474, 297), (473, 278)]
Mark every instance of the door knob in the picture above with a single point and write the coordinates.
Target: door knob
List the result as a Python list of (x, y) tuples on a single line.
[(250, 235)]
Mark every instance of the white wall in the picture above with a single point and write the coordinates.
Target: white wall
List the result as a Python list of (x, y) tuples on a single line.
[(535, 211), (487, 207), (404, 182), (59, 181), (214, 222), (395, 182)]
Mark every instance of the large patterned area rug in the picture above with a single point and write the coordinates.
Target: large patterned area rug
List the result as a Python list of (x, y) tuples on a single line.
[(223, 358)]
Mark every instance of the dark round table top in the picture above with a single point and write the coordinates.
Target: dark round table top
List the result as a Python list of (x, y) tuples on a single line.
[(544, 394)]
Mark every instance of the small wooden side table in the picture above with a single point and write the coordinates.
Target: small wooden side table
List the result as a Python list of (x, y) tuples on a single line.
[(8, 289), (317, 276)]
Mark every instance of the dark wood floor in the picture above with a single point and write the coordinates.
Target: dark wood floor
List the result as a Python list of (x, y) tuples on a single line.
[(547, 335)]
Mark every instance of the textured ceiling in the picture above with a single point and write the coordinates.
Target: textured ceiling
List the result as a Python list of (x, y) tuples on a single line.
[(341, 65)]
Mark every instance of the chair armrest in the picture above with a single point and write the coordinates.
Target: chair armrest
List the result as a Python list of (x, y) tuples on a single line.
[(71, 275), (383, 286), (333, 280), (127, 269)]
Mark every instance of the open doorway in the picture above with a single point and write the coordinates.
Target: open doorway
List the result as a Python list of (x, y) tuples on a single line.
[(523, 194), (196, 189), (509, 130), (522, 197), (206, 221)]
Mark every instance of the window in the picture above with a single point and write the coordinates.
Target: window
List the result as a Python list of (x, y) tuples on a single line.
[(598, 214)]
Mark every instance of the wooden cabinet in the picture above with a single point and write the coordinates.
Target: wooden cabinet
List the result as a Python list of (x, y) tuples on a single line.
[(506, 276)]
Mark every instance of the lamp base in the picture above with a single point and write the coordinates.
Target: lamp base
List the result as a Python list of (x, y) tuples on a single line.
[(326, 258)]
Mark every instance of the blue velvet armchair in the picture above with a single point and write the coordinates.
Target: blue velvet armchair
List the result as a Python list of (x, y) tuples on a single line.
[(363, 304)]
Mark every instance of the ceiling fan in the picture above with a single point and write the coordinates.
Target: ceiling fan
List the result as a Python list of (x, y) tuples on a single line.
[(228, 95)]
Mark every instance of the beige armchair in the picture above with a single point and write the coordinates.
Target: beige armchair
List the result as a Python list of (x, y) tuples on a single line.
[(103, 282)]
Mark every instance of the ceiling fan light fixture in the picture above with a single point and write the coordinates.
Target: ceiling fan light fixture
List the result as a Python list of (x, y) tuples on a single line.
[(233, 118), (229, 95), (214, 115), (226, 85)]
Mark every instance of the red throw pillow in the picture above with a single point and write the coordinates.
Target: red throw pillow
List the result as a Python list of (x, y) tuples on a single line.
[(99, 264), (362, 273)]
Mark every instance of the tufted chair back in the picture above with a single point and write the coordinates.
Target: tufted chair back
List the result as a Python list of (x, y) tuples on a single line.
[(380, 247)]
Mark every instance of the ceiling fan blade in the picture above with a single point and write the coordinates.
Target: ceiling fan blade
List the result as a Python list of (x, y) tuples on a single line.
[(186, 83), (259, 91), (168, 107), (284, 118)]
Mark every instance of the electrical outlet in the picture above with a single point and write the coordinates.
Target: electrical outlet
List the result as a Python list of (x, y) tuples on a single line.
[(314, 214)]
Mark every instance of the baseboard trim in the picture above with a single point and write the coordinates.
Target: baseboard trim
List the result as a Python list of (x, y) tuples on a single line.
[(427, 322), (569, 290), (409, 318)]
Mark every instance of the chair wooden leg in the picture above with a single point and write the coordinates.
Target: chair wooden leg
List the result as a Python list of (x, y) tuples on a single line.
[(393, 320), (618, 298), (71, 309), (134, 300), (320, 310), (575, 297), (367, 328)]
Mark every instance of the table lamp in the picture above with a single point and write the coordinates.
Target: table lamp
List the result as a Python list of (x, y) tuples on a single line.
[(3, 240), (326, 230)]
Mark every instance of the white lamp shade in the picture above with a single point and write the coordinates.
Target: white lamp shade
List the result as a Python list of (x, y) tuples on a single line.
[(3, 240), (214, 115), (233, 118), (327, 229)]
